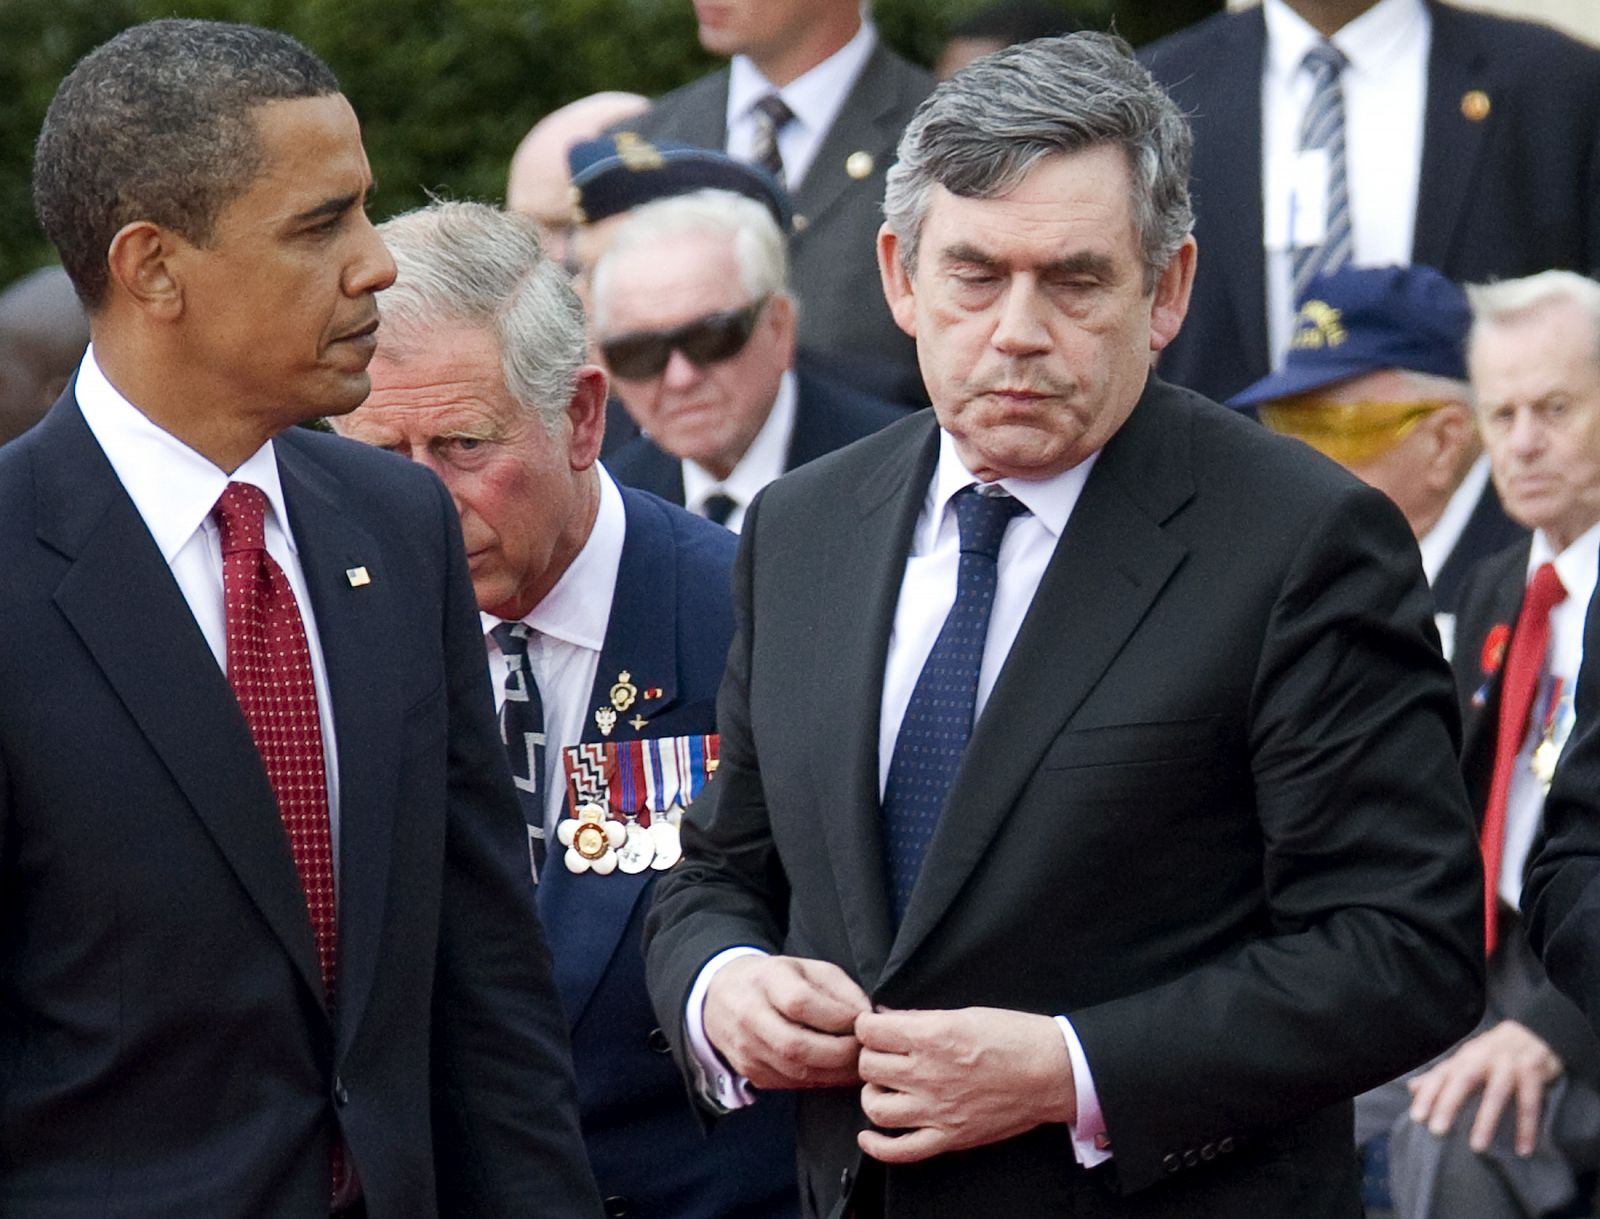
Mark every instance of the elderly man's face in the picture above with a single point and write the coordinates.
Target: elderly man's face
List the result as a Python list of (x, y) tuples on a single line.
[(706, 412), (280, 306), (516, 486), (1537, 383), (1034, 330)]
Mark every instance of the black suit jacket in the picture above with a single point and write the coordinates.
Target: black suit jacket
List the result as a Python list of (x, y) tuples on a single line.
[(1211, 813), (828, 416), (834, 268), (1488, 531), (1490, 602), (1514, 193), (165, 1048)]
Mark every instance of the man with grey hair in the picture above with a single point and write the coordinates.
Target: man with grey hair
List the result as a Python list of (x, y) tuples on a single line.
[(266, 949), (606, 619), (1509, 1121), (1087, 828), (693, 317)]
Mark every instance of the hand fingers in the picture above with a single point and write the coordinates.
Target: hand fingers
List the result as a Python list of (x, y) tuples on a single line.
[(792, 987), (801, 1056), (901, 1148), (894, 1071), (1458, 1085), (890, 1109), (1530, 1101), (839, 986), (1497, 1089), (892, 1032)]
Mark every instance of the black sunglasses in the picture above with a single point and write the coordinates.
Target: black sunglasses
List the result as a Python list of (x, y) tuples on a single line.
[(706, 340)]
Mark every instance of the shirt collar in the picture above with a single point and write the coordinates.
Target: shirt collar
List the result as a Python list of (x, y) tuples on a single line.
[(815, 96), (762, 462), (1369, 43), (578, 608), (1050, 500), (173, 487), (1577, 565), (1439, 541)]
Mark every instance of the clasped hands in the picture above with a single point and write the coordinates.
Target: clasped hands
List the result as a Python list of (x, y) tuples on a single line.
[(933, 1081)]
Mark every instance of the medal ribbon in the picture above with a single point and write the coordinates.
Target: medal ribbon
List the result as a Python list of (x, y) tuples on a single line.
[(694, 770), (1551, 707), (585, 768), (627, 793)]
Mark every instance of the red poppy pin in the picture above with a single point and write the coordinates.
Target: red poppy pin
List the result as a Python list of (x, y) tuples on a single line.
[(1494, 648)]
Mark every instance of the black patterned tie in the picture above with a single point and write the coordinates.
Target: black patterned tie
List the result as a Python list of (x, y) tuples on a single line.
[(1323, 128), (938, 721), (522, 730), (772, 113)]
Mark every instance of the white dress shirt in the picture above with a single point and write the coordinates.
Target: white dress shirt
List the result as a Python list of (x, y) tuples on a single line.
[(566, 631), (1385, 97), (762, 462), (1439, 541), (815, 98), (1576, 566), (174, 489), (927, 592)]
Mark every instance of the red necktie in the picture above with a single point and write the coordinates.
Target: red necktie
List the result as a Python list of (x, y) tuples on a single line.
[(269, 668), (1524, 666)]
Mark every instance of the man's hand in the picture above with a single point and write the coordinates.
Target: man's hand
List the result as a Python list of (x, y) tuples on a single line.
[(959, 1079), (786, 1022), (1509, 1061)]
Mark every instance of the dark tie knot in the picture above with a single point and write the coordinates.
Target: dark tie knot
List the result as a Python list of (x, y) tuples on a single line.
[(983, 518), (241, 514), (775, 110), (719, 507), (1324, 62), (512, 638)]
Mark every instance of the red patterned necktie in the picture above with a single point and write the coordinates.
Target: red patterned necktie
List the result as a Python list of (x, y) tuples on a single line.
[(269, 668), (1524, 665)]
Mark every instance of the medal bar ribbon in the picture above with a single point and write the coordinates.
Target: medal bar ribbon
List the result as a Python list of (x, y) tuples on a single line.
[(1551, 706), (585, 767), (627, 793)]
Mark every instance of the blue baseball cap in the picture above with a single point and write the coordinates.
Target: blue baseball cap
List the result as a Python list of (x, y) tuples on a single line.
[(617, 173), (1360, 320)]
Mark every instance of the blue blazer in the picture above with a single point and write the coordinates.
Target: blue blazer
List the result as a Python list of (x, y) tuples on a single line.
[(671, 624), (1508, 194), (165, 1046), (828, 416)]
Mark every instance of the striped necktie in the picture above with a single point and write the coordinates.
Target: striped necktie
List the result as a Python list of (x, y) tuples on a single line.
[(1323, 128), (771, 115)]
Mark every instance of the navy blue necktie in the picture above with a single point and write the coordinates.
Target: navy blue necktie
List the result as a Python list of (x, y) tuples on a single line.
[(938, 721), (522, 730)]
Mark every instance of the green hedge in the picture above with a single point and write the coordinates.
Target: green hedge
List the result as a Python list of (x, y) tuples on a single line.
[(445, 88)]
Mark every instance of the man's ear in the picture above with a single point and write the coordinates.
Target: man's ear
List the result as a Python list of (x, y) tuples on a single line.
[(1452, 433), (784, 318), (1171, 301), (587, 413), (897, 287), (142, 262)]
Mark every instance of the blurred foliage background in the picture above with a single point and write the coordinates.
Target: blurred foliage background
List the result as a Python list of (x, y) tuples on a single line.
[(445, 88)]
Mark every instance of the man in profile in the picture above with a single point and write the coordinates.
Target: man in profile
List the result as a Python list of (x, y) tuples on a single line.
[(266, 949), (1087, 827)]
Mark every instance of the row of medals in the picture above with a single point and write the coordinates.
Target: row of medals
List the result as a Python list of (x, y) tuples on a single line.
[(636, 846)]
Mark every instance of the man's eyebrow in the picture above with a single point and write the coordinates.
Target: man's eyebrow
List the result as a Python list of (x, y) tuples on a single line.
[(336, 206), (1081, 263)]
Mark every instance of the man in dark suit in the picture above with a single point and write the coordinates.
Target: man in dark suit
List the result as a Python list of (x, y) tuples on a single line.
[(844, 98), (265, 948), (608, 612), (693, 317), (1375, 379), (1471, 144), (1204, 868)]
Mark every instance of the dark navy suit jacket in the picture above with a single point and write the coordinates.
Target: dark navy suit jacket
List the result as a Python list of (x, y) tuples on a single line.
[(828, 416), (671, 623), (1511, 193)]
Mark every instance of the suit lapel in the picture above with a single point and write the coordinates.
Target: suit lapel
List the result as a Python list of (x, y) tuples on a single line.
[(354, 631), (1450, 141), (852, 650), (121, 599), (1109, 566), (865, 123), (587, 915)]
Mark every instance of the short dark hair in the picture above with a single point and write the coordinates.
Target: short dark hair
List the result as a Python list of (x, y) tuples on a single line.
[(157, 125)]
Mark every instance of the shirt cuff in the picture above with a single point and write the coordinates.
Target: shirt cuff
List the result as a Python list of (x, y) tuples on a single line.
[(719, 1083), (1089, 1143)]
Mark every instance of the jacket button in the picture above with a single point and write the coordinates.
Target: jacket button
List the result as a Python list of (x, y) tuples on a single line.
[(1225, 1145), (846, 1180), (1191, 1158), (617, 1207), (1208, 1152), (1171, 1162), (657, 1042)]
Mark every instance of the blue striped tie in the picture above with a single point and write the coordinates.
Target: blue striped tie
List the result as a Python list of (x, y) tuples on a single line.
[(938, 720), (1324, 128), (522, 730)]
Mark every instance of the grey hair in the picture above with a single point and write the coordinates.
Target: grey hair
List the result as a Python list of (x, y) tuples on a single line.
[(158, 125), (758, 243), (1510, 299), (981, 132), (472, 264)]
